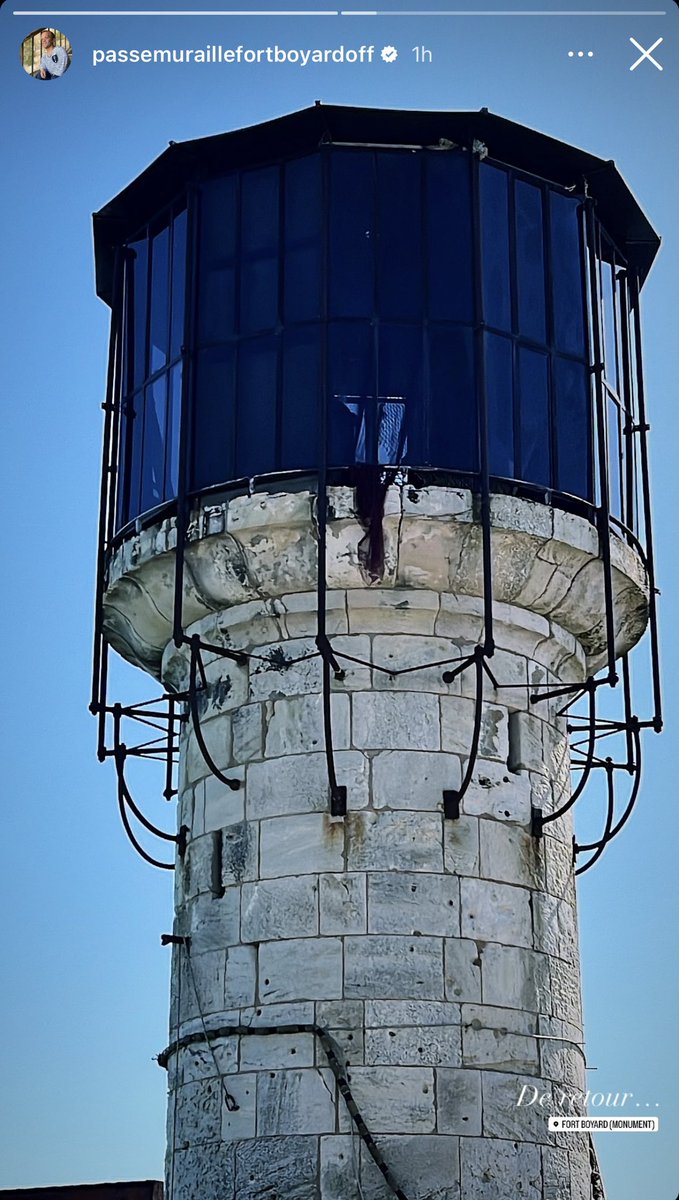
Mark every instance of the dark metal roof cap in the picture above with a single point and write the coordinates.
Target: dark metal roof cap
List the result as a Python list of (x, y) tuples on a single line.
[(302, 132)]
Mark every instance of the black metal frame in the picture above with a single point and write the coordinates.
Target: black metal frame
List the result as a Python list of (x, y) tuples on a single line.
[(593, 726)]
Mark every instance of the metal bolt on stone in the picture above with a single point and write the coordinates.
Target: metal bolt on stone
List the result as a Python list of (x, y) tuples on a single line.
[(375, 517)]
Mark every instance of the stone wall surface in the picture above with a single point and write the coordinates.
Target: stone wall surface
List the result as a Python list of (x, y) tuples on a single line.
[(440, 955)]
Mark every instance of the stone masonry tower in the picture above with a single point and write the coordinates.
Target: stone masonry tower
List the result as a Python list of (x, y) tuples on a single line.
[(370, 516)]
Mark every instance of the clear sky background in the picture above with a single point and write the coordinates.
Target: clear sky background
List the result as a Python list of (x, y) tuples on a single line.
[(85, 981)]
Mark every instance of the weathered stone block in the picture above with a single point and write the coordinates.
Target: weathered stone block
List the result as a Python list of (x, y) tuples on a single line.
[(457, 724), (240, 976), (198, 1113), (295, 726), (295, 1101), (240, 853), (343, 903), (492, 1049), (503, 1116), (408, 654), (510, 854), (222, 806), (216, 735), (566, 1000), (413, 779), (394, 841), (277, 1166), (413, 904), (506, 1020), (283, 669), (426, 1046), (340, 1168), (494, 1170), (305, 969), (463, 970), (204, 975), (300, 845), (394, 1013), (400, 721), (425, 1167), (214, 922), (393, 1099), (515, 977), (494, 792), (461, 846), (393, 967), (495, 912), (240, 1122), (458, 1100), (301, 613), (202, 1061), (247, 733), (555, 927), (299, 783), (299, 1013), (397, 610), (279, 908), (525, 743), (340, 1014), (205, 1173)]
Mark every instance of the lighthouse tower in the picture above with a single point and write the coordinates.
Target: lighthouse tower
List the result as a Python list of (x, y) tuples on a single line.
[(375, 516)]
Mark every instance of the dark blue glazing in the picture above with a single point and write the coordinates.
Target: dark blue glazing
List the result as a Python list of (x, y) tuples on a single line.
[(362, 279)]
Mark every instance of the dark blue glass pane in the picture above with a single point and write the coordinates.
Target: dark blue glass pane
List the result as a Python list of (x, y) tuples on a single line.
[(352, 234), (351, 394), (160, 300), (608, 314), (500, 396), (301, 398), (497, 303), (137, 299), (173, 432), (614, 460), (302, 267), (449, 236), (534, 424), (216, 260), (213, 418), (135, 420), (530, 261), (256, 415), (178, 284), (399, 409), (453, 435), (573, 429), (259, 250), (153, 469), (567, 281), (399, 239)]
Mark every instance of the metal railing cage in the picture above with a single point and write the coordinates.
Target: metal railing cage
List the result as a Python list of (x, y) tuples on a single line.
[(615, 497)]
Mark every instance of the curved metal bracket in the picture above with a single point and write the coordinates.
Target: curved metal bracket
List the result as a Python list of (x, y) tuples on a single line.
[(192, 697)]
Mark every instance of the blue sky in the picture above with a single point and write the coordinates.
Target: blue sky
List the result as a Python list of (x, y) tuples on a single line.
[(85, 991)]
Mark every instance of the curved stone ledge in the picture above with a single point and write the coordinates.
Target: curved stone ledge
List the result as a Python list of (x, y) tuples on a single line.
[(265, 547)]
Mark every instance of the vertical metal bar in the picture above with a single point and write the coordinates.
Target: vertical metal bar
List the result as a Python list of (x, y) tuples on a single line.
[(482, 411), (338, 795), (515, 331), (646, 495), (186, 413), (105, 483), (627, 693), (628, 402), (107, 500), (603, 508), (169, 759)]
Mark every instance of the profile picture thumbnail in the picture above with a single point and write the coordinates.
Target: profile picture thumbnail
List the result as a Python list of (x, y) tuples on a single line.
[(46, 54)]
